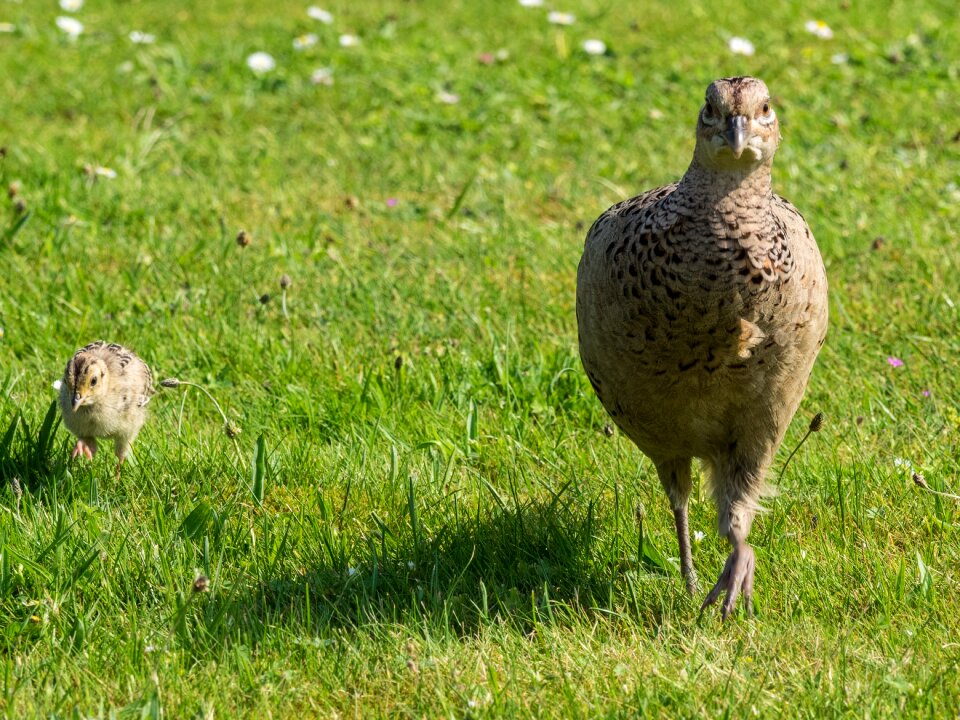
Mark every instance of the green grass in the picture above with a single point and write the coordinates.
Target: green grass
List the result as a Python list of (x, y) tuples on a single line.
[(439, 525)]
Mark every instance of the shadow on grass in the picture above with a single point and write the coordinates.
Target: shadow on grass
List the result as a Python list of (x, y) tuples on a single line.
[(540, 564)]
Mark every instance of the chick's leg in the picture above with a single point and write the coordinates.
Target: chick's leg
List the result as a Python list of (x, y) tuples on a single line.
[(87, 447), (675, 478)]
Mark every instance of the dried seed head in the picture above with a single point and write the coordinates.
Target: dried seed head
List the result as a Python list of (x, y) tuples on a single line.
[(920, 481), (244, 238), (817, 423), (352, 202), (201, 584), (13, 189), (15, 486), (285, 281), (608, 430), (264, 299), (859, 420), (170, 383), (20, 206), (398, 362), (231, 430)]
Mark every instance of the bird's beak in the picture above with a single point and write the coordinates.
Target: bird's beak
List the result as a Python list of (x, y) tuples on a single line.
[(736, 134), (76, 400)]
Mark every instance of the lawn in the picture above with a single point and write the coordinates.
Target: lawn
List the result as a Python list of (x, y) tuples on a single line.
[(414, 505)]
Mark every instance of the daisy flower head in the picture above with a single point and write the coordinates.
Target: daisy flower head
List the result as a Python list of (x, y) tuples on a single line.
[(320, 14), (594, 47), (104, 172), (302, 42), (6, 27), (531, 3), (71, 5), (347, 41), (322, 76), (447, 98), (561, 18), (141, 38), (261, 62), (741, 46), (71, 26), (818, 28)]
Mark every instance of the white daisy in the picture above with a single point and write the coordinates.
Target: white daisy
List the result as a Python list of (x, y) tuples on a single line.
[(71, 5), (447, 98), (261, 62), (141, 38), (6, 27), (839, 59), (818, 28), (741, 46), (349, 41), (105, 172), (594, 47), (57, 384), (302, 42), (560, 18), (698, 536), (532, 3), (319, 14), (71, 26), (322, 76)]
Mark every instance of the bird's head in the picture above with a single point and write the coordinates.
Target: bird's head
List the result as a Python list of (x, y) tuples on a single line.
[(87, 378), (738, 128)]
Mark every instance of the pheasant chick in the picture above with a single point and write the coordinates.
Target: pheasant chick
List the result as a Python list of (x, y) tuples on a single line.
[(103, 394)]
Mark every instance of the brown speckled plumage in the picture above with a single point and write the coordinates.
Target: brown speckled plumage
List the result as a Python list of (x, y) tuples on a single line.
[(701, 307), (103, 394)]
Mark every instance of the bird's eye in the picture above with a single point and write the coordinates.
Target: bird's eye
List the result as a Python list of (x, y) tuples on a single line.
[(709, 113), (93, 382), (766, 108)]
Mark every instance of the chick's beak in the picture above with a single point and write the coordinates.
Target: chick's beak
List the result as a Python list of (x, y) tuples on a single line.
[(76, 400), (736, 134)]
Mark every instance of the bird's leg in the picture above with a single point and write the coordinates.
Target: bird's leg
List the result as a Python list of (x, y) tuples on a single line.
[(87, 447), (686, 557), (675, 478), (121, 447), (737, 575)]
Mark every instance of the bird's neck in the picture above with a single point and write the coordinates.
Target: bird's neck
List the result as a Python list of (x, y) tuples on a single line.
[(732, 190)]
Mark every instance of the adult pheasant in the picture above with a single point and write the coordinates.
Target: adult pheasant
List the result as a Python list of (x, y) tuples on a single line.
[(701, 308)]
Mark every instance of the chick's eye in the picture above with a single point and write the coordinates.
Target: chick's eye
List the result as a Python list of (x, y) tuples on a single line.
[(93, 382), (766, 108)]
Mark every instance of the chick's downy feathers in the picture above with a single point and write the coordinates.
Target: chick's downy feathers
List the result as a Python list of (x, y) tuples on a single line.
[(103, 394)]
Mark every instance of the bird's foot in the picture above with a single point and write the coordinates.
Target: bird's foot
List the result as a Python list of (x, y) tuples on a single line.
[(116, 472), (86, 448), (736, 578)]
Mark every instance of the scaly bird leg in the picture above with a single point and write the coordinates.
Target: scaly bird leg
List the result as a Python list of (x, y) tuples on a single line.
[(736, 578), (686, 557), (675, 477)]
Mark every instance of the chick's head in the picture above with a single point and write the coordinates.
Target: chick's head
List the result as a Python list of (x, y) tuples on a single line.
[(90, 382)]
